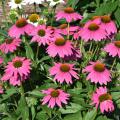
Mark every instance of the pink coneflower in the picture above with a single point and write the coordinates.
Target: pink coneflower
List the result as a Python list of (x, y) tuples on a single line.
[(55, 33), (98, 73), (113, 48), (68, 14), (55, 97), (20, 28), (67, 71), (60, 47), (41, 34), (17, 70), (63, 29), (104, 99), (108, 24), (75, 56), (92, 30), (10, 45)]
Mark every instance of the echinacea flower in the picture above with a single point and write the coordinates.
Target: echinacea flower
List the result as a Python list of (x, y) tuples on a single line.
[(55, 97), (17, 71), (98, 73), (75, 56), (55, 33), (20, 28), (108, 24), (41, 34), (33, 19), (17, 3), (103, 99), (55, 2), (92, 30), (68, 14), (63, 72), (113, 48), (34, 1), (60, 47), (10, 45), (64, 30)]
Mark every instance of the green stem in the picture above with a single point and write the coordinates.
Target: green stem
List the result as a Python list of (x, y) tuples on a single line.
[(4, 35), (97, 47), (37, 52), (68, 31), (90, 48), (114, 62), (53, 12), (81, 44), (3, 8)]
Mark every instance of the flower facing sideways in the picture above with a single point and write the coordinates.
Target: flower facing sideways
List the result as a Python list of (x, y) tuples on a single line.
[(103, 99), (10, 45), (55, 97), (98, 73), (17, 71), (113, 48), (68, 14), (67, 71), (60, 47), (20, 28), (92, 30)]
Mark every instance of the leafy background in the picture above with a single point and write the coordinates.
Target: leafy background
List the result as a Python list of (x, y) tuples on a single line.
[(17, 104)]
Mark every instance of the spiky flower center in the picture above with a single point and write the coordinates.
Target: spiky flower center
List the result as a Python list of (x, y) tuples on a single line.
[(69, 10), (105, 19), (55, 0), (105, 97), (8, 41), (55, 93), (65, 68), (117, 44), (60, 42), (18, 1), (17, 64), (95, 17), (34, 18), (21, 22), (93, 27), (99, 67), (41, 32), (63, 26)]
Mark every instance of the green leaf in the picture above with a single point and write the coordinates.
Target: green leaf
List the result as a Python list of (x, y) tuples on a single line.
[(29, 51), (106, 8), (91, 115), (23, 109), (42, 116), (8, 94), (72, 108), (44, 59), (36, 93), (33, 112), (102, 118), (75, 116), (117, 15)]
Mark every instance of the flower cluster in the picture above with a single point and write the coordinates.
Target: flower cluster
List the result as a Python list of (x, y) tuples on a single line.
[(20, 3), (67, 45)]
